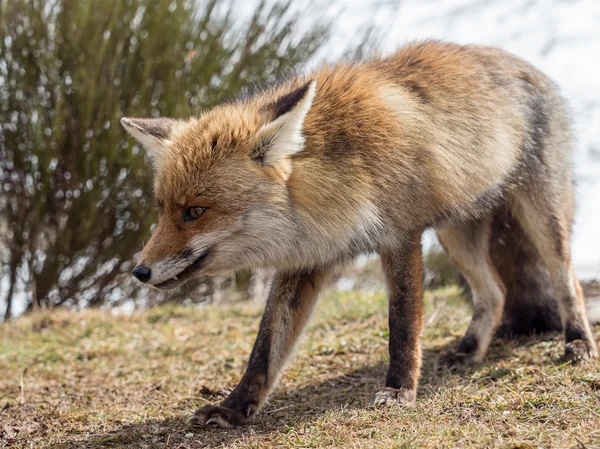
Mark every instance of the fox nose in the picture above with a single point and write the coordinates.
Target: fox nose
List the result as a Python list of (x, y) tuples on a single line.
[(142, 272)]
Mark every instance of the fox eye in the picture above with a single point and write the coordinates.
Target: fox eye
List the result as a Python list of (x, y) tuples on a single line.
[(193, 213)]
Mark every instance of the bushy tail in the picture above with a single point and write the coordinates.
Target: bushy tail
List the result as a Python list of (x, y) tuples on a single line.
[(530, 305)]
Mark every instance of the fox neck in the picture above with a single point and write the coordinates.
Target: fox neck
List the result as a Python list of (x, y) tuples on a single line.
[(307, 237)]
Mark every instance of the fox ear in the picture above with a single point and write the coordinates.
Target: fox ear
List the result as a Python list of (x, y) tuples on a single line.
[(150, 132), (282, 137)]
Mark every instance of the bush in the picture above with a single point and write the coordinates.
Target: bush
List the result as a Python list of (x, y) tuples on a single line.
[(75, 194)]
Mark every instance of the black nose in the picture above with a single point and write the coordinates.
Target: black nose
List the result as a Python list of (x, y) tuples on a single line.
[(142, 272)]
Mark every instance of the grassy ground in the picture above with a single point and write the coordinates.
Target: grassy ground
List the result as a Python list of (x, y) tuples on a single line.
[(94, 380)]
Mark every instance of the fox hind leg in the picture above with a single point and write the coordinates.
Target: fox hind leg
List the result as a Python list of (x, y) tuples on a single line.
[(548, 227), (467, 245)]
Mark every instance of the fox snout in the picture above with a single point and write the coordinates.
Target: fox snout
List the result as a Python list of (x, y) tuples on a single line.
[(142, 273), (171, 272)]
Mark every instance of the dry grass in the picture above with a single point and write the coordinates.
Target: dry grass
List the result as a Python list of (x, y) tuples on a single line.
[(94, 380)]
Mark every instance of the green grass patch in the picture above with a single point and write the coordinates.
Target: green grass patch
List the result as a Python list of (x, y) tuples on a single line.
[(93, 380)]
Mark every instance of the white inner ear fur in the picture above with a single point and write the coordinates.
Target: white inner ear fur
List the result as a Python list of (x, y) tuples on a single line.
[(151, 143), (284, 134)]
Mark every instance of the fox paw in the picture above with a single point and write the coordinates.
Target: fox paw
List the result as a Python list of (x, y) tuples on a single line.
[(217, 416), (580, 350), (394, 396), (455, 362)]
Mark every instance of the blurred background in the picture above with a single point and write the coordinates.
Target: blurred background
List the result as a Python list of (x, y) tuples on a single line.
[(76, 193)]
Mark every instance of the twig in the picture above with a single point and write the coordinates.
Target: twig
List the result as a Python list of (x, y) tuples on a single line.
[(278, 409), (435, 313), (22, 388), (516, 394)]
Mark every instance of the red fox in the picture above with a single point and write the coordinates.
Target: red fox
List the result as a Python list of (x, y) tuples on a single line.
[(363, 157)]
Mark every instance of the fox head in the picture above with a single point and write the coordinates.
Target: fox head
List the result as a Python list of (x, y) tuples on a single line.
[(221, 186)]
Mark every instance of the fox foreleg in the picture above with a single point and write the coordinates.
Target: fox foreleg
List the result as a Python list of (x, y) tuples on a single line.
[(288, 309), (403, 270)]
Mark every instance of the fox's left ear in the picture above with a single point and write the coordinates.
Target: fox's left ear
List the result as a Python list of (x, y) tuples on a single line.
[(281, 136), (150, 132)]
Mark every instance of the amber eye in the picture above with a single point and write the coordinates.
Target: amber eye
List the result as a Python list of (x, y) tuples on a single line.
[(193, 213)]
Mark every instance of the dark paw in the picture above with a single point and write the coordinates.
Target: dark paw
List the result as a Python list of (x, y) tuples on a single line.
[(216, 416), (455, 362), (395, 396), (580, 350)]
